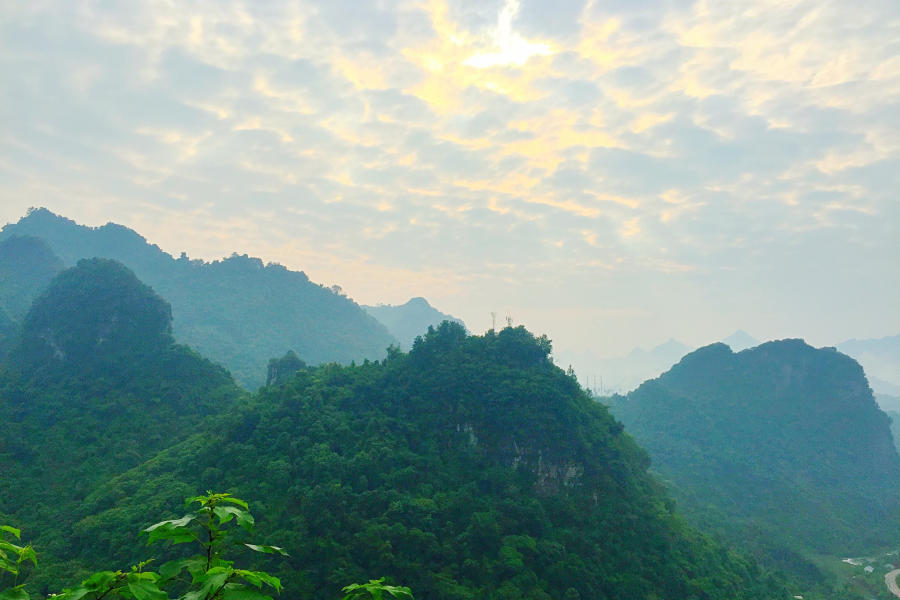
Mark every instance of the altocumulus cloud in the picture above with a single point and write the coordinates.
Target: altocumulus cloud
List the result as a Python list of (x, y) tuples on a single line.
[(612, 172)]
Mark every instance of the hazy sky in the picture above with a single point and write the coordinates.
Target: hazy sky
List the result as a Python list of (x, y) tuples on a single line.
[(611, 173)]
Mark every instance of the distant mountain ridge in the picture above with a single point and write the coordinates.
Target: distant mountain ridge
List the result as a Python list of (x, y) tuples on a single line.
[(238, 311), (781, 447), (408, 321), (881, 360), (622, 375), (27, 266), (626, 373), (740, 340)]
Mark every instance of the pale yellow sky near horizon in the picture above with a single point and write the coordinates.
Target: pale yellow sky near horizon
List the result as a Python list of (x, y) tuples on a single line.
[(610, 173)]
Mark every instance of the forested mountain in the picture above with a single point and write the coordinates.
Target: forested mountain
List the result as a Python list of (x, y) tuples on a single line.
[(237, 311), (408, 321), (94, 386), (27, 265), (471, 467), (781, 448)]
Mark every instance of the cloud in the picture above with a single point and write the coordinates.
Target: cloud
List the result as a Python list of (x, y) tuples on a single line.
[(615, 152), (509, 48)]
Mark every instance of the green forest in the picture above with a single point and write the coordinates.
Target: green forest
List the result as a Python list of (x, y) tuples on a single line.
[(780, 449), (238, 311), (470, 467)]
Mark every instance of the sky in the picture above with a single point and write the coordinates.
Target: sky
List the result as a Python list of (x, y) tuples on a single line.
[(610, 173)]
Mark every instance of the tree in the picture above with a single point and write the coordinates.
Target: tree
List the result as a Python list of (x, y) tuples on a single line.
[(12, 558), (218, 525), (282, 369)]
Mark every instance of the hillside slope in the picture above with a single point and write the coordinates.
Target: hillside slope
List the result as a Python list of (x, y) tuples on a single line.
[(27, 265), (238, 311), (94, 386), (408, 321), (781, 447), (470, 468)]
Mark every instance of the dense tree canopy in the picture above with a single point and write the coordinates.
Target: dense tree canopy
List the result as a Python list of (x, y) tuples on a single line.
[(238, 311), (95, 315), (471, 467), (781, 448), (95, 387)]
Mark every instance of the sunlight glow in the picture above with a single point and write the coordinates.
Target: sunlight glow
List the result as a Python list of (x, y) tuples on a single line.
[(512, 48)]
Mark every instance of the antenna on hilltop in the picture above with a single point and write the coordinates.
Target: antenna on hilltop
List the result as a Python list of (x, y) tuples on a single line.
[(493, 321)]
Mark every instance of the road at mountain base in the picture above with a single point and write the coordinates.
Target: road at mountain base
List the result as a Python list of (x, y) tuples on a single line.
[(891, 581)]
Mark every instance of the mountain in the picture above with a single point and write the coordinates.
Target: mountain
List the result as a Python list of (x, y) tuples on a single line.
[(627, 373), (408, 321), (471, 467), (27, 265), (238, 311), (888, 402), (740, 340), (780, 448), (879, 386), (881, 360), (891, 406), (95, 386)]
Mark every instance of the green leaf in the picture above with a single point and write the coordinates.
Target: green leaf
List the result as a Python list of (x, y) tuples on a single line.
[(10, 567), (146, 590), (74, 594), (28, 553), (375, 588), (200, 499), (398, 591), (12, 530), (244, 519), (178, 535), (258, 578), (10, 546), (174, 568), (99, 581), (267, 549), (14, 593), (212, 582), (237, 501), (174, 529), (241, 592), (172, 523)]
